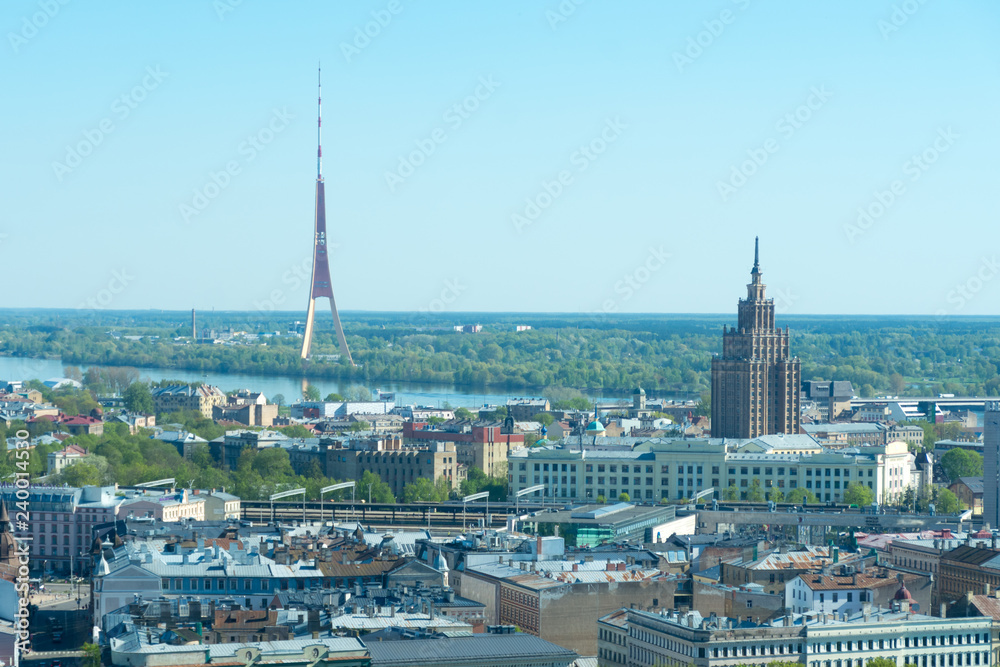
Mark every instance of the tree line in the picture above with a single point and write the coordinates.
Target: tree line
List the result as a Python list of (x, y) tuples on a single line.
[(887, 356)]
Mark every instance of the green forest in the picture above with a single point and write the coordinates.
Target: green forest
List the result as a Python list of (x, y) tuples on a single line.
[(668, 354)]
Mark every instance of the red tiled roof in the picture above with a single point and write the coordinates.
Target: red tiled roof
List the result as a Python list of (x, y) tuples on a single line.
[(80, 420)]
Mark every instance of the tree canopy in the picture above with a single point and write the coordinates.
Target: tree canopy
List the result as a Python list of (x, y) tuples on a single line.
[(859, 494), (962, 463)]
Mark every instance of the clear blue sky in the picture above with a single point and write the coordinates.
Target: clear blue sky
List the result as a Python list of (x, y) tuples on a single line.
[(673, 120)]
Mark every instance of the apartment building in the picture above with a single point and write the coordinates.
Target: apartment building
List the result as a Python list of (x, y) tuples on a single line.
[(397, 464), (62, 522), (637, 638), (184, 397)]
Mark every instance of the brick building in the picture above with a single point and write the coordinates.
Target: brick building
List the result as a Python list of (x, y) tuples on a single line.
[(755, 383)]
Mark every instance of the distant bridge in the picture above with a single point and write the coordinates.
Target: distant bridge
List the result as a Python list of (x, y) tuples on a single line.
[(914, 403)]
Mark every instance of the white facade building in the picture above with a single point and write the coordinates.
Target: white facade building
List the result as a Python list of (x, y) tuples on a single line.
[(635, 638), (675, 469)]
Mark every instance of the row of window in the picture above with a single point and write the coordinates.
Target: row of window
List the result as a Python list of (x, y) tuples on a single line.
[(227, 584), (952, 660), (908, 642), (695, 469)]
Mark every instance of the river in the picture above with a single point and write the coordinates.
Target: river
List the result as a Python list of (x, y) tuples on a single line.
[(407, 393)]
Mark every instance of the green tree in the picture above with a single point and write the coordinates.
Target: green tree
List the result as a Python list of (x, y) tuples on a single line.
[(80, 474), (801, 496), (296, 431), (731, 493), (624, 497), (704, 408), (310, 393), (138, 398), (961, 463), (381, 492), (315, 470), (859, 494), (421, 490), (359, 394), (544, 418), (601, 499), (909, 499), (278, 399), (477, 481), (948, 502), (91, 655), (333, 398), (755, 494), (463, 413), (273, 464), (776, 495), (880, 662)]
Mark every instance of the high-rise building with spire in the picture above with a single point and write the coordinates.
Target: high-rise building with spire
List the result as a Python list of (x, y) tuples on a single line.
[(320, 284), (755, 383)]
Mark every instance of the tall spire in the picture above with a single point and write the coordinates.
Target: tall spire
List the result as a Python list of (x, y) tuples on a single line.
[(755, 273), (319, 123)]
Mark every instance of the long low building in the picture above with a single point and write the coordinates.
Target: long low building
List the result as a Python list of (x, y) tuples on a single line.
[(677, 469), (483, 650), (636, 638)]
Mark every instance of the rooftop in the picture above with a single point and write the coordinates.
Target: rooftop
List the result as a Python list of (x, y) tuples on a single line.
[(467, 649)]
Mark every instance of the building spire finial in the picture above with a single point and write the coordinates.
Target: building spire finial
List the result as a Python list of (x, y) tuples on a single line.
[(319, 122), (756, 253)]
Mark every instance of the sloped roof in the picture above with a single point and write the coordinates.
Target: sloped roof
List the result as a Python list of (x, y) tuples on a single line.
[(975, 484)]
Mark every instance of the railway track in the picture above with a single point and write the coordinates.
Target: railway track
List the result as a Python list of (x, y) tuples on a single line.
[(433, 515)]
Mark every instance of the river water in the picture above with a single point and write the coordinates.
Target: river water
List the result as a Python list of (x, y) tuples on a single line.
[(407, 393)]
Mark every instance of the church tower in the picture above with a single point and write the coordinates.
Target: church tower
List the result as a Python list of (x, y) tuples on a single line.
[(755, 383)]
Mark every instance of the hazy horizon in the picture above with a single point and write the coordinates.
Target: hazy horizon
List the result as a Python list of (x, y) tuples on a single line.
[(557, 157)]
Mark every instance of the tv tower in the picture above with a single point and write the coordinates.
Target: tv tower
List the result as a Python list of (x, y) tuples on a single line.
[(321, 285)]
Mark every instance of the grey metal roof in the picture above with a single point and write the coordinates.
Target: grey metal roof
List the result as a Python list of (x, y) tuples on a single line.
[(490, 647)]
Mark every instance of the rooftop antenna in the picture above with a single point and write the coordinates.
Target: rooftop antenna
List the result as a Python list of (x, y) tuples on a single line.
[(319, 122)]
